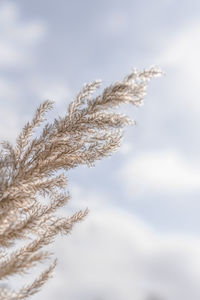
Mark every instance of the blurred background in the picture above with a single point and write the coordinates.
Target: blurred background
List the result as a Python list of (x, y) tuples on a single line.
[(141, 239)]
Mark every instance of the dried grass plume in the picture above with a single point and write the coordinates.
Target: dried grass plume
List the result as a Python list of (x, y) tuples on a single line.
[(89, 131)]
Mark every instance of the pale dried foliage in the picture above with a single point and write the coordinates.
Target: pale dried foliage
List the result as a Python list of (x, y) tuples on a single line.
[(88, 132)]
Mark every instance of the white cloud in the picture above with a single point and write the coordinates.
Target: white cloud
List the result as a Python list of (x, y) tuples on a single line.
[(8, 90), (165, 171), (9, 124), (17, 38), (181, 58), (125, 148), (115, 23), (58, 92), (183, 49), (113, 255)]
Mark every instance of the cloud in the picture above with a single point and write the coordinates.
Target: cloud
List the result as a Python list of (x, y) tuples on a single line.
[(183, 49), (8, 116), (181, 61), (114, 255), (17, 37), (9, 124), (56, 91), (18, 42), (165, 171), (115, 23), (7, 89), (125, 148)]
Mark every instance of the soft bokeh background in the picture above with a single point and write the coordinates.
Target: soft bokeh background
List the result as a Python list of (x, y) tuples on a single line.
[(141, 239)]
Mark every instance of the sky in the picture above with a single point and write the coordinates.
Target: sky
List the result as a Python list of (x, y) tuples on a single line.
[(141, 239)]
